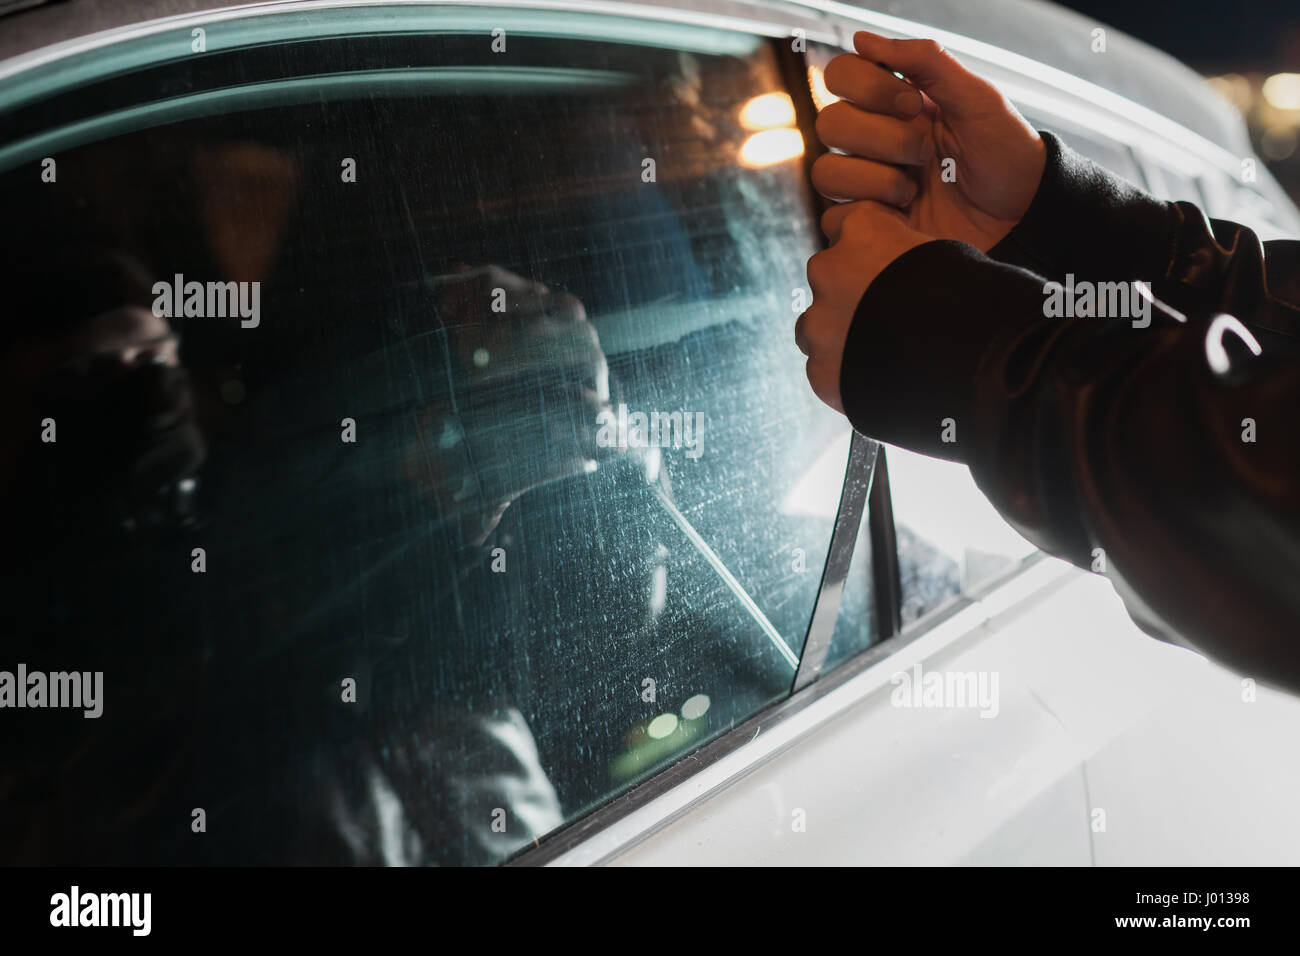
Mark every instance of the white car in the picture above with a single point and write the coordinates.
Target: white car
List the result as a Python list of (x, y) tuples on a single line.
[(516, 534)]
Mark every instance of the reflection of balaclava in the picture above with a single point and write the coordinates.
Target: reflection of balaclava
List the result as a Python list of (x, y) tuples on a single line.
[(127, 442)]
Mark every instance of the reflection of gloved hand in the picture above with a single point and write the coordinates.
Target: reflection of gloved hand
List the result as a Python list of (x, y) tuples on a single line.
[(124, 417), (529, 380)]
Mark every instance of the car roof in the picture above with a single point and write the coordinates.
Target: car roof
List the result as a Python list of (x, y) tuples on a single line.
[(1014, 33), (1063, 39)]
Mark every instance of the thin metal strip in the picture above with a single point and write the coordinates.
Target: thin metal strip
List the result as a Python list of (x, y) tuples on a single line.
[(888, 591), (858, 477)]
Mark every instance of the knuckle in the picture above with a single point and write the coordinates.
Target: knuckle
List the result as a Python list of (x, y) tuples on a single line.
[(801, 333), (914, 142), (900, 185), (989, 98), (819, 379), (929, 48), (832, 217), (818, 267), (860, 223)]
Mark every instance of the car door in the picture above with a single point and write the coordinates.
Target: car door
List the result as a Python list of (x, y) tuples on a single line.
[(502, 487)]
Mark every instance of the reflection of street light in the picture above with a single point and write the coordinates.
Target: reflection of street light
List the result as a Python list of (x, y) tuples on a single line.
[(1277, 143), (767, 111), (771, 146), (695, 707), (822, 97), (1282, 91), (1236, 89), (772, 114), (662, 726)]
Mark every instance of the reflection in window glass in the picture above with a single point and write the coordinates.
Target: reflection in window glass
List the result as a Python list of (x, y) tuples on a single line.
[(950, 539), (500, 490), (855, 628)]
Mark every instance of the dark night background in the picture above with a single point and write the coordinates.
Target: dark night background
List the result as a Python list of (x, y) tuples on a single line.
[(1238, 43)]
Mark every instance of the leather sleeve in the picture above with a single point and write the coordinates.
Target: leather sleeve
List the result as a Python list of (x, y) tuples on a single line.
[(1170, 445)]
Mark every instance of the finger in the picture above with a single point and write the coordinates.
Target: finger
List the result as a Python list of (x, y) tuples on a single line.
[(874, 136), (871, 87), (820, 331), (821, 266), (848, 177), (801, 333), (932, 68), (824, 377), (834, 219)]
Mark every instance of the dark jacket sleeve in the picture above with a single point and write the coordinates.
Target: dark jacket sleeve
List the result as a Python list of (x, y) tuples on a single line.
[(1173, 446)]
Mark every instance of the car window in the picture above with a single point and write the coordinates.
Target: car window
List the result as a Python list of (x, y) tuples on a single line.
[(1181, 187), (433, 460), (951, 540), (1108, 154)]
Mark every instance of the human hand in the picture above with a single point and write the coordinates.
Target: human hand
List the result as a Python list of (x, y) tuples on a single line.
[(900, 136), (869, 238)]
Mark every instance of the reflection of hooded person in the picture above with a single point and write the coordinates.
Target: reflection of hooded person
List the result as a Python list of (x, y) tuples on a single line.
[(333, 568), (114, 430)]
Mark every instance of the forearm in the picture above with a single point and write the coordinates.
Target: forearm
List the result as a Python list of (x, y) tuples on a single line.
[(1091, 433)]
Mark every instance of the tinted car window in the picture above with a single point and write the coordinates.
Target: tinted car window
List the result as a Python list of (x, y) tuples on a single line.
[(432, 457)]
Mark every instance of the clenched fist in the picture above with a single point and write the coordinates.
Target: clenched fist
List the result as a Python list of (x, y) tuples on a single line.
[(868, 239)]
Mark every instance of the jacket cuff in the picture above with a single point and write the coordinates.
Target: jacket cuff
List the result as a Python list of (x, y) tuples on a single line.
[(1087, 221), (912, 350)]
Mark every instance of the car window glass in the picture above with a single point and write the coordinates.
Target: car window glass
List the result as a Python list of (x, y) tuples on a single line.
[(434, 460), (951, 540)]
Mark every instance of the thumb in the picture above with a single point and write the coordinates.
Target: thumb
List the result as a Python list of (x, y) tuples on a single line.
[(864, 212), (933, 69)]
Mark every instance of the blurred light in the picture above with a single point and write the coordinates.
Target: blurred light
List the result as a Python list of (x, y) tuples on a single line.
[(822, 97), (771, 146), (1277, 143), (1282, 90), (696, 707), (1236, 89), (662, 726), (767, 111)]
